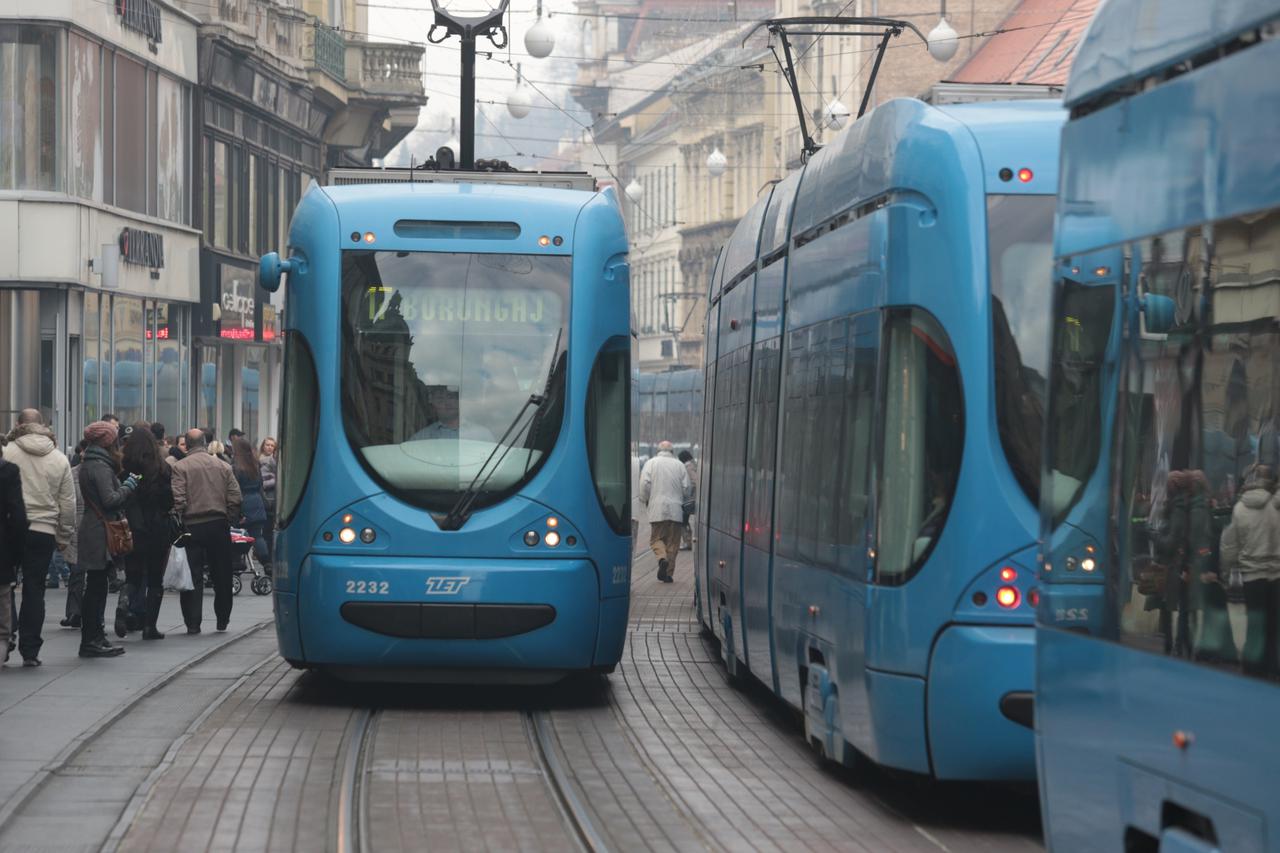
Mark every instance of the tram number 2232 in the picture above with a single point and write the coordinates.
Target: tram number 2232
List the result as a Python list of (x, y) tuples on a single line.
[(369, 587)]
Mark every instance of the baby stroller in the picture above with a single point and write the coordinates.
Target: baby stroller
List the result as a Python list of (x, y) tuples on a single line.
[(242, 561)]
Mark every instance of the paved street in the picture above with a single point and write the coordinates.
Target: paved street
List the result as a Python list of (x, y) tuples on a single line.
[(213, 743)]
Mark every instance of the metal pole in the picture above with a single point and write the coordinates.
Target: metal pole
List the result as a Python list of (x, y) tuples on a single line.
[(467, 137)]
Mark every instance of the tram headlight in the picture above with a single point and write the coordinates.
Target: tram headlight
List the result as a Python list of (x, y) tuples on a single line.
[(553, 522), (1007, 597), (347, 535), (552, 539), (531, 538), (1008, 574), (368, 535), (1088, 564)]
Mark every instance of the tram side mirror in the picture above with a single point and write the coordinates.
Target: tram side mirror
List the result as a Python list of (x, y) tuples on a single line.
[(270, 268), (1157, 314)]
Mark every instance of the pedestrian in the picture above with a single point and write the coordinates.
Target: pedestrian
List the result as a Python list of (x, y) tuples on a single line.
[(152, 535), (267, 467), (157, 430), (177, 449), (105, 499), (50, 502), (686, 535), (75, 577), (252, 504), (637, 506), (664, 487), (13, 533), (234, 434), (217, 449), (207, 499)]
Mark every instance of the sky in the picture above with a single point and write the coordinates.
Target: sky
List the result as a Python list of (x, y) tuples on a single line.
[(537, 134)]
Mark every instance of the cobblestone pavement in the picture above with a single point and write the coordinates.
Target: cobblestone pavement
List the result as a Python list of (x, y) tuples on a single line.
[(665, 755)]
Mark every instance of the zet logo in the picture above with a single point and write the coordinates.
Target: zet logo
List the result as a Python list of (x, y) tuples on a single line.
[(446, 586)]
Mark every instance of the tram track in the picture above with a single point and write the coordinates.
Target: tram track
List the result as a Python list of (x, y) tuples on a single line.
[(572, 808)]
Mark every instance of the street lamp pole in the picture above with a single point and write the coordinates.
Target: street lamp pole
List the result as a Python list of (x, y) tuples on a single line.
[(469, 28)]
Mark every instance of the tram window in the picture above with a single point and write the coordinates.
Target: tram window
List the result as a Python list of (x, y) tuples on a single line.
[(922, 438), (793, 438), (1020, 264), (859, 427), (1199, 443), (608, 432), (299, 424), (441, 354), (762, 433)]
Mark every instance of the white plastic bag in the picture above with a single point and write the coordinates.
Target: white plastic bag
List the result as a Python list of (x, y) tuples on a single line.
[(177, 572)]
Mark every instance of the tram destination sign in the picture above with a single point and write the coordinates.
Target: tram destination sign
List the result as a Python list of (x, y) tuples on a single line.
[(144, 248), (141, 16)]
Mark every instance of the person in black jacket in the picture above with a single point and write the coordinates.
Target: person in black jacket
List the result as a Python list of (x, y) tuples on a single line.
[(105, 498), (148, 515), (13, 532)]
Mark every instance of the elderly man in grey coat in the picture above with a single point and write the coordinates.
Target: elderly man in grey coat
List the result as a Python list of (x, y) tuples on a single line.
[(664, 487)]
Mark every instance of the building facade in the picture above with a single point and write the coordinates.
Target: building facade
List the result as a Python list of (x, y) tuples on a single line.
[(99, 256)]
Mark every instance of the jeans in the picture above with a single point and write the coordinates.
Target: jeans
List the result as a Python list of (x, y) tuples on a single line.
[(58, 570), (93, 607), (210, 544), (144, 573), (36, 554)]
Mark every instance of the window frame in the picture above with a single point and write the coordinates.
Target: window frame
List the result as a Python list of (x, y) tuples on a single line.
[(617, 345), (296, 342)]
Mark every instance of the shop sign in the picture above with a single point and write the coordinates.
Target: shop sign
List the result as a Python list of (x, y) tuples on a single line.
[(237, 303), (141, 16), (145, 248)]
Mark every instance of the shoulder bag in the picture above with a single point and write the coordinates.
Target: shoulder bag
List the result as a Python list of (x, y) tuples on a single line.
[(119, 536)]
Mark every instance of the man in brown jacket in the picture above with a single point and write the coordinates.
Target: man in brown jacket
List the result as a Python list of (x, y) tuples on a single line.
[(207, 498)]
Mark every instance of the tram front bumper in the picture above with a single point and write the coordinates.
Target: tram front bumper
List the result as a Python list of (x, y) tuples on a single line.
[(980, 703), (447, 615)]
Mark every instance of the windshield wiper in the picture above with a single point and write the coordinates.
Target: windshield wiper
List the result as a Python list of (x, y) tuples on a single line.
[(457, 516)]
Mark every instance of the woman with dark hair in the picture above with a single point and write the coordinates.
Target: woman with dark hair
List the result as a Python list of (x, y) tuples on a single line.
[(148, 515), (105, 498), (267, 466), (254, 508)]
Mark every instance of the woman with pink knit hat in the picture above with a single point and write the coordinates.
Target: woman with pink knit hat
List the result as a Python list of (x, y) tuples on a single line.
[(105, 498)]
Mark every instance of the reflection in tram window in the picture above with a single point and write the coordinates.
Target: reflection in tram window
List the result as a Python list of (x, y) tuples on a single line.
[(1199, 449)]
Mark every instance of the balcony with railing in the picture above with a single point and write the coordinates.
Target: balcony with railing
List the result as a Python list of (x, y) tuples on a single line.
[(384, 70), (328, 51)]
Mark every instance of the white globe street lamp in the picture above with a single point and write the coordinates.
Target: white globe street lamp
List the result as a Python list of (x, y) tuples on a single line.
[(519, 102), (717, 163), (836, 114), (943, 42), (540, 39), (634, 191)]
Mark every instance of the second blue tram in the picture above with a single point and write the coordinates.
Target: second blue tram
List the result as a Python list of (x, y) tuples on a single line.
[(876, 353), (1158, 644), (454, 483)]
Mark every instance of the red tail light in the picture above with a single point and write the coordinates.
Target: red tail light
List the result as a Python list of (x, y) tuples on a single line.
[(1008, 574)]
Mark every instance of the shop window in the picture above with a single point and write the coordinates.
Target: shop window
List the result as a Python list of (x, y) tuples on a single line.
[(923, 437), (300, 424), (129, 386), (251, 393), (171, 151), (29, 107), (131, 134), (84, 66), (608, 432), (220, 195), (92, 356), (168, 367)]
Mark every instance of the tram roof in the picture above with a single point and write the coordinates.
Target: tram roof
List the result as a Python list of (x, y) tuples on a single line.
[(1129, 40), (353, 197)]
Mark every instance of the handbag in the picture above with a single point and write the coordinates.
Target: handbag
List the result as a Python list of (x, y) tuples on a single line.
[(1151, 579), (119, 536)]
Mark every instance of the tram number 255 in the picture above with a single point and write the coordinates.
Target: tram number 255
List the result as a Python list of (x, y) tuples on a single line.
[(1071, 614), (369, 587)]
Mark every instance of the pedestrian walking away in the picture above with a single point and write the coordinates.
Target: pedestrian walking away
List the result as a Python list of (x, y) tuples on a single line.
[(51, 504), (105, 499), (13, 532), (664, 487), (207, 498), (252, 504), (153, 533), (686, 536)]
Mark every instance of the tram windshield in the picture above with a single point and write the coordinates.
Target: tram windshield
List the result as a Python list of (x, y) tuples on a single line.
[(1020, 261), (441, 353)]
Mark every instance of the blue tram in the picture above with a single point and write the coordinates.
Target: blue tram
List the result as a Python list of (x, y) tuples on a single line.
[(454, 483), (876, 359), (1158, 632)]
